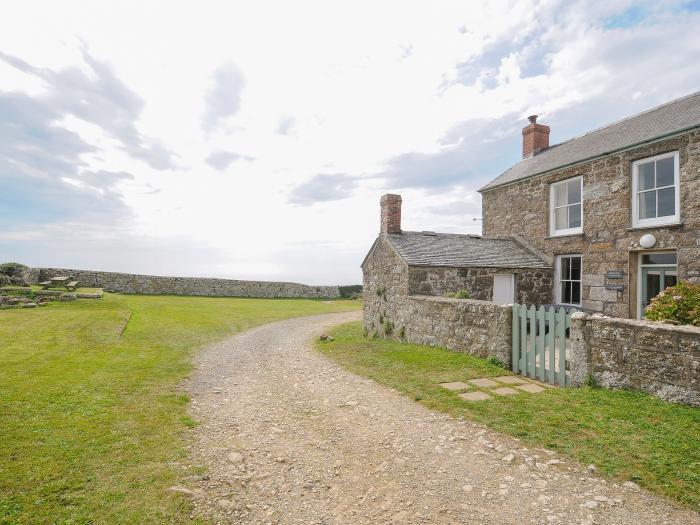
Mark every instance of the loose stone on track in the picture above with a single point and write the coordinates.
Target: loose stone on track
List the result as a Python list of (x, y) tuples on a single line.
[(289, 437)]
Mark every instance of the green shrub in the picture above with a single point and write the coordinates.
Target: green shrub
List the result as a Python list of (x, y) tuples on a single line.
[(493, 360), (350, 292), (15, 272), (461, 294), (678, 304), (388, 327), (591, 382)]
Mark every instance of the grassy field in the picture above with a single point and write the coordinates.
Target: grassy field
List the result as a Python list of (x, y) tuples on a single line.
[(627, 435), (91, 421)]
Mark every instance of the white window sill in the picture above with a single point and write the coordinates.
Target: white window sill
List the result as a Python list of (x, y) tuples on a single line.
[(674, 224), (567, 233)]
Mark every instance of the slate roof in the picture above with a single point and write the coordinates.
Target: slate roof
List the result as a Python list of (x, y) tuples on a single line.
[(463, 251), (676, 116)]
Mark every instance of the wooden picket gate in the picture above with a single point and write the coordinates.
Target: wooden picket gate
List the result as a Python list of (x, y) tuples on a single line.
[(540, 343)]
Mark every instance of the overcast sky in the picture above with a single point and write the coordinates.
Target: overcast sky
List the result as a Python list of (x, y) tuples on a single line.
[(253, 139)]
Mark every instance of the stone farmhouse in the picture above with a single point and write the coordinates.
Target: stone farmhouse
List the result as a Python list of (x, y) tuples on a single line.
[(603, 222)]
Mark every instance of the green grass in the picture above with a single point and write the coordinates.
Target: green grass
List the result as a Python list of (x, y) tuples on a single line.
[(627, 435), (92, 423)]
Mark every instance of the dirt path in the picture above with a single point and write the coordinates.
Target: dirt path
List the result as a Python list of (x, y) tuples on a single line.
[(289, 437)]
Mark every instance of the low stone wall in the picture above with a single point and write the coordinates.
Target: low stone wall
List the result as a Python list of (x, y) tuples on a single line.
[(480, 328), (159, 285), (661, 359)]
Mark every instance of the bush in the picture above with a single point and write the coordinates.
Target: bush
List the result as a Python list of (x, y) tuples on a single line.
[(493, 360), (351, 292), (677, 304), (16, 272), (461, 294)]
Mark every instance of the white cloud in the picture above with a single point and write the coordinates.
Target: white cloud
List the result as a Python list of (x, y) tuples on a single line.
[(269, 105)]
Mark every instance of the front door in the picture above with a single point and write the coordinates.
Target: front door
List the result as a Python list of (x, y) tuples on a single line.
[(504, 288), (655, 276)]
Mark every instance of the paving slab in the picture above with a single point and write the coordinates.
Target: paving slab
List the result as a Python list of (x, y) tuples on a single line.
[(455, 385), (530, 387), (484, 382), (511, 380), (475, 396), (506, 391)]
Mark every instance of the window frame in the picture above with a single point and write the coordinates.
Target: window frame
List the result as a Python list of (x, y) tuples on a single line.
[(666, 219), (557, 279), (553, 232)]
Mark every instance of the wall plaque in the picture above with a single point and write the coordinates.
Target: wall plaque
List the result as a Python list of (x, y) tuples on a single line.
[(617, 287), (615, 274)]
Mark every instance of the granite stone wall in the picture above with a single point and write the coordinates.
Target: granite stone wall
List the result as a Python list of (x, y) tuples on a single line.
[(532, 286), (159, 285), (466, 325), (658, 358), (608, 241)]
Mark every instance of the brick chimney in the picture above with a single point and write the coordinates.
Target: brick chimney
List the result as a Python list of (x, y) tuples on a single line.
[(391, 213), (535, 137)]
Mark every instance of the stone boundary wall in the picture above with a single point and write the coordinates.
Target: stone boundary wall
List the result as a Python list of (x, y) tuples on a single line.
[(480, 328), (658, 358), (198, 286)]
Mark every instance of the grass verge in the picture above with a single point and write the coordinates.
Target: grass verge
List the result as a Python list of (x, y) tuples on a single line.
[(91, 426), (627, 435)]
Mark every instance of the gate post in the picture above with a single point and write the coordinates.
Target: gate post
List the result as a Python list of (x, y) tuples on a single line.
[(580, 360)]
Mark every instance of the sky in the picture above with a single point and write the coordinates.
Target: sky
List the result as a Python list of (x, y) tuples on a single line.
[(253, 140)]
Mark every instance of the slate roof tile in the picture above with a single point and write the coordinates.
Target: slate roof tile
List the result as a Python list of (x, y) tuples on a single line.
[(676, 116), (463, 251)]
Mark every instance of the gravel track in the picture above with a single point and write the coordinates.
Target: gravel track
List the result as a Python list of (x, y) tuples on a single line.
[(289, 437)]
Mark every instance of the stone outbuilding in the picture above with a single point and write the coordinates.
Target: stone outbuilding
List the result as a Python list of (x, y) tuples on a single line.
[(405, 263)]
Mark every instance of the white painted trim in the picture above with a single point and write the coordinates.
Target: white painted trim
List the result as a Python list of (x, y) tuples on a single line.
[(557, 278), (657, 221), (553, 232)]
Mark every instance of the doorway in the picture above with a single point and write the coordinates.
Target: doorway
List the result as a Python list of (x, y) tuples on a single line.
[(504, 288), (657, 271)]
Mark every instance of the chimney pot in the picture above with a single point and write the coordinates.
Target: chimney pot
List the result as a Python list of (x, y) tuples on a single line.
[(390, 205), (535, 137)]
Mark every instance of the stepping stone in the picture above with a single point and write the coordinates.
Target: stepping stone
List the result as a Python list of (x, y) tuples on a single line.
[(530, 387), (475, 396), (505, 391), (511, 380), (484, 382), (455, 385)]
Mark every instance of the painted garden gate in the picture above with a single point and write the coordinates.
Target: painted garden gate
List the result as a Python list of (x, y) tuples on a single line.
[(540, 343)]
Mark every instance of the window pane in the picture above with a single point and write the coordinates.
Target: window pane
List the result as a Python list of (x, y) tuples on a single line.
[(575, 293), (670, 279), (575, 266), (565, 268), (647, 205), (561, 219), (646, 176), (659, 258), (664, 171), (667, 202), (653, 284), (566, 289), (575, 216), (560, 195), (574, 189)]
